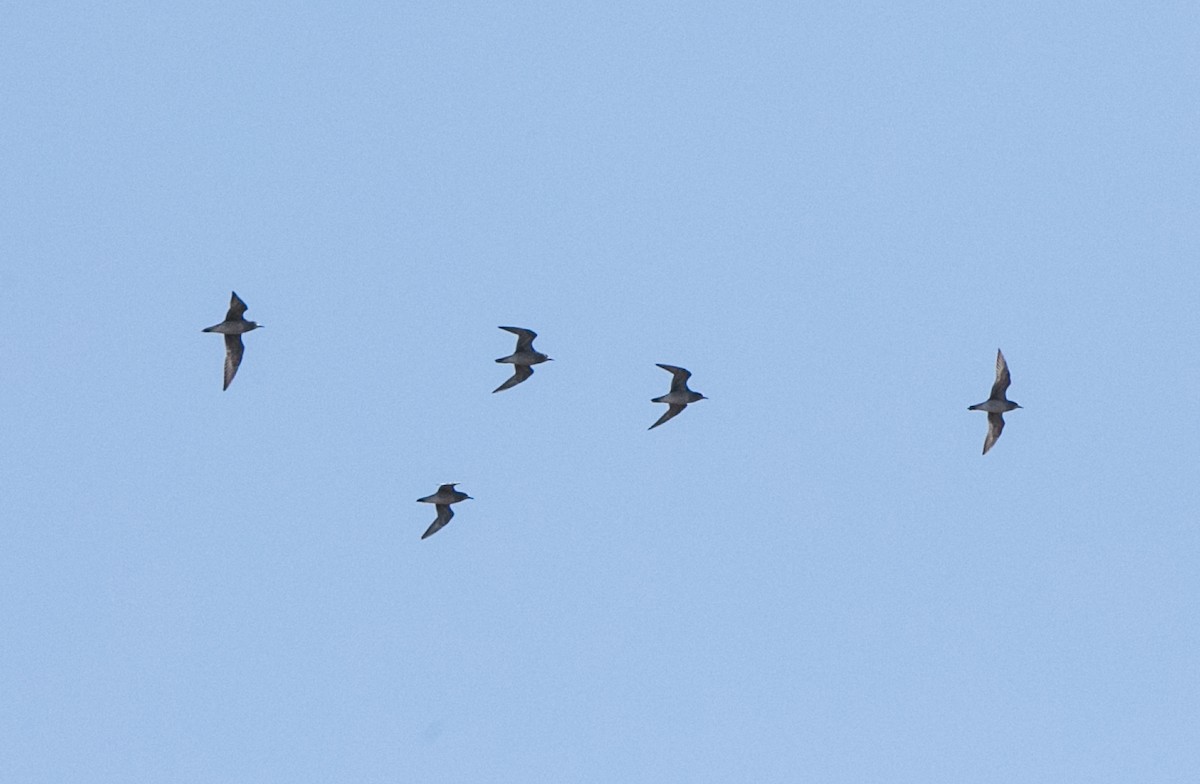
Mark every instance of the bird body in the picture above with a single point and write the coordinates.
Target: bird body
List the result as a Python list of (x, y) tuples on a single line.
[(994, 406)]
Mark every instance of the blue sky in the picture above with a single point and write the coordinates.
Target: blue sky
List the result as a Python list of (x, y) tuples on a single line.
[(832, 214)]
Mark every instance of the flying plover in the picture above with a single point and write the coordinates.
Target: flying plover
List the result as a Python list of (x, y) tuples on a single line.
[(445, 495), (522, 359), (232, 328), (997, 403), (679, 396)]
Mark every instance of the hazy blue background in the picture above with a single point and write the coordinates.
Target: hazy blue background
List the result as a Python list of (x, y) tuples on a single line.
[(832, 213)]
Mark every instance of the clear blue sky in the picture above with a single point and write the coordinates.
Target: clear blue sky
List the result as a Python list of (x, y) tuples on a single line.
[(832, 213)]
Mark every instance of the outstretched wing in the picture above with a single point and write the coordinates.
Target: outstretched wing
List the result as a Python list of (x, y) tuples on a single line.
[(444, 514), (233, 357), (995, 428), (524, 338), (672, 410), (1003, 379), (237, 308), (679, 376), (520, 373)]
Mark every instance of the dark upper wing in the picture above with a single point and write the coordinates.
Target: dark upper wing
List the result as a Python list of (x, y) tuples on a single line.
[(1003, 379), (672, 410), (679, 376), (520, 373), (524, 337), (995, 427), (233, 357), (443, 517), (237, 308)]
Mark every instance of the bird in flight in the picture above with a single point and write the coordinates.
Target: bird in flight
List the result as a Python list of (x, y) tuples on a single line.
[(445, 495), (232, 328), (997, 403), (679, 396), (522, 359)]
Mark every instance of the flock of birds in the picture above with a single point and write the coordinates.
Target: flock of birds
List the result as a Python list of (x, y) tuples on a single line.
[(525, 356)]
